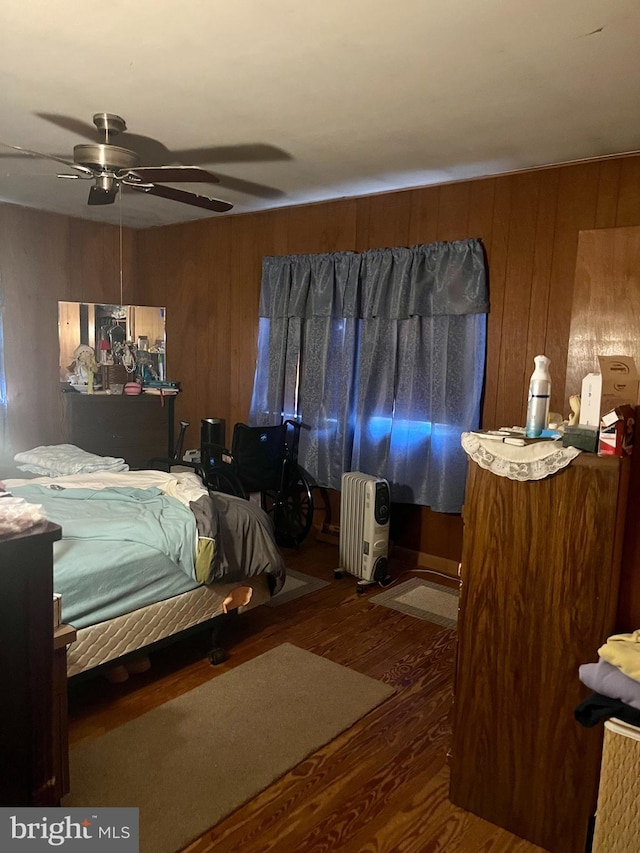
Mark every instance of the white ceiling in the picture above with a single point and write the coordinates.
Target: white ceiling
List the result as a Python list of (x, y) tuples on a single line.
[(353, 96)]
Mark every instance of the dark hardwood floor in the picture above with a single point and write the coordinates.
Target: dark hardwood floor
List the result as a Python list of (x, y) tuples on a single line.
[(382, 786)]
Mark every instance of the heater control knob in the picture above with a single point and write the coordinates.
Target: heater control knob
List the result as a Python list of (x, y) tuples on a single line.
[(382, 503)]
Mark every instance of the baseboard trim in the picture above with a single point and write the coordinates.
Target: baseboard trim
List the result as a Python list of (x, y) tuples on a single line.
[(423, 560)]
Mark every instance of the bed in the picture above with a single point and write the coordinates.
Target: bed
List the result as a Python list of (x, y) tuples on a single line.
[(146, 555)]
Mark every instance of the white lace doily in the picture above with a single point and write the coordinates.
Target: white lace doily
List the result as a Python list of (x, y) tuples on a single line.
[(532, 462)]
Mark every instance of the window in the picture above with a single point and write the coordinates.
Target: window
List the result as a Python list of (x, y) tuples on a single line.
[(382, 355)]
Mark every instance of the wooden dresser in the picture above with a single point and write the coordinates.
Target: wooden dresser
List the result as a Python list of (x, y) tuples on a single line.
[(133, 428), (32, 736), (540, 575)]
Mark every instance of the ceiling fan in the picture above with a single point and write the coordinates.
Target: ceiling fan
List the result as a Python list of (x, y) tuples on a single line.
[(110, 167)]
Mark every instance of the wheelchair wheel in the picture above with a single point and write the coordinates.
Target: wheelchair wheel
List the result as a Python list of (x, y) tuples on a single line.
[(219, 480), (291, 510)]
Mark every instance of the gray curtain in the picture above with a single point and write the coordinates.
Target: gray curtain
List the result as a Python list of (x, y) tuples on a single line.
[(382, 354)]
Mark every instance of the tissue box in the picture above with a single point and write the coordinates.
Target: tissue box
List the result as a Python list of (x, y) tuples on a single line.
[(615, 385), (616, 432), (582, 437)]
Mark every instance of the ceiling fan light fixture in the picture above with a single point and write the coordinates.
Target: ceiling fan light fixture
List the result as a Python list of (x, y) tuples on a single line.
[(106, 183), (104, 191)]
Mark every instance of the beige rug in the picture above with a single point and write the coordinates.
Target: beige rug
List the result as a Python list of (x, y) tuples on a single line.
[(423, 599), (192, 761), (296, 585)]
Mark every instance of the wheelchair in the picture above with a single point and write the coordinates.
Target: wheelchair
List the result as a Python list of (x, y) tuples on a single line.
[(264, 460)]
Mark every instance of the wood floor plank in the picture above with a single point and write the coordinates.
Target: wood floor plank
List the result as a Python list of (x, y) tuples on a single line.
[(381, 786)]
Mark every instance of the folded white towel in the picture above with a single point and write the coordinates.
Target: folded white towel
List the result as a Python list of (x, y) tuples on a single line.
[(56, 460)]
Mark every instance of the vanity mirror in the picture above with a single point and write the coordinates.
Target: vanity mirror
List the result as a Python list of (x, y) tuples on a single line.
[(117, 334)]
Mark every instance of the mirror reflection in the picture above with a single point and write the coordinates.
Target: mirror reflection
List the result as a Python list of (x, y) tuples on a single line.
[(104, 346)]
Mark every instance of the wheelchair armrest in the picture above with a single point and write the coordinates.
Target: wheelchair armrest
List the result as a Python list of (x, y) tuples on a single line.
[(219, 452)]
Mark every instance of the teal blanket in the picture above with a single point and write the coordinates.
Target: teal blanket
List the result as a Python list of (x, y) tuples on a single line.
[(121, 548)]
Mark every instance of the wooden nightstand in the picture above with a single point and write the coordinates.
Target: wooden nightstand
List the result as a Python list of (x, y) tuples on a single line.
[(63, 636)]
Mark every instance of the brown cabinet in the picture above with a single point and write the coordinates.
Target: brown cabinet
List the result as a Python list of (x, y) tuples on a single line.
[(28, 775), (540, 575), (135, 428)]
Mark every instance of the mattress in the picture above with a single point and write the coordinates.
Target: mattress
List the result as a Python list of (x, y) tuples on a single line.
[(98, 644), (245, 547)]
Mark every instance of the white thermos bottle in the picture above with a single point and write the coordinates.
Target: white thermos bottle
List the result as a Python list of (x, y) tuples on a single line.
[(539, 394)]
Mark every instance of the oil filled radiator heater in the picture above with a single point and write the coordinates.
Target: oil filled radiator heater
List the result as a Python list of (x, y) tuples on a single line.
[(364, 528)]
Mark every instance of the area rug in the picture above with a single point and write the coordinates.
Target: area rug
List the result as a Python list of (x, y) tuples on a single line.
[(296, 585), (195, 759), (423, 599)]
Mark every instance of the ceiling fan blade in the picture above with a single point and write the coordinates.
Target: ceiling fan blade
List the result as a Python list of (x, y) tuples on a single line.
[(249, 187), (257, 152), (97, 195), (174, 174), (82, 128), (82, 169), (20, 156), (186, 198), (153, 152)]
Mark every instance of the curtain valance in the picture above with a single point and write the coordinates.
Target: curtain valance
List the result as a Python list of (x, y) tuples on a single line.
[(395, 284)]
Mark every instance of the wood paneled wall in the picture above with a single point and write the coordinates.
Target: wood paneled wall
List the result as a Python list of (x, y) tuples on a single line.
[(208, 275), (606, 301), (45, 258), (606, 320)]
